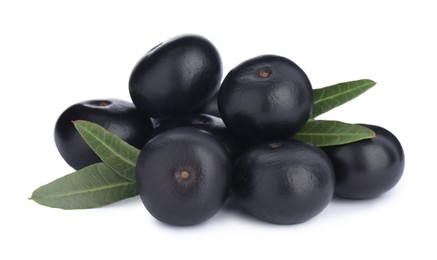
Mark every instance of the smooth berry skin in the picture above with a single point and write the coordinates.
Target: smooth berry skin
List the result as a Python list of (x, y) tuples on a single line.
[(209, 123), (283, 182), (176, 77), (117, 116), (183, 176), (368, 168), (211, 107), (264, 98)]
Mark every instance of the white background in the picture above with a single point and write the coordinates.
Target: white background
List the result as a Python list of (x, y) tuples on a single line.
[(54, 54)]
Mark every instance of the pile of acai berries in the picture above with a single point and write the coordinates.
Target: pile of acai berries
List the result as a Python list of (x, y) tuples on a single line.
[(203, 140)]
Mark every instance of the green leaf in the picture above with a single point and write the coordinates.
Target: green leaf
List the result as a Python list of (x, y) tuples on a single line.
[(93, 186), (113, 151), (333, 96), (327, 133)]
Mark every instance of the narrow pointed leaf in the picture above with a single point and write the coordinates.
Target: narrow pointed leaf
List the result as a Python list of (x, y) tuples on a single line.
[(113, 151), (327, 133), (333, 96), (93, 186)]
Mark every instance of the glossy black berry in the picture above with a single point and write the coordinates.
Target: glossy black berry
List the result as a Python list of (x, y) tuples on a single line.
[(211, 124), (176, 77), (284, 182), (211, 107), (267, 97), (117, 116), (183, 176), (367, 168)]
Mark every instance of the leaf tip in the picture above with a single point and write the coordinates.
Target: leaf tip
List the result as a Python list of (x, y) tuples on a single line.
[(33, 195), (371, 82), (77, 121)]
